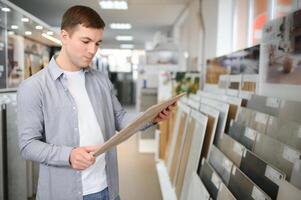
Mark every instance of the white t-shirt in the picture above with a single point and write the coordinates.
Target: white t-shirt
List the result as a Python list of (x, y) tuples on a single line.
[(93, 178)]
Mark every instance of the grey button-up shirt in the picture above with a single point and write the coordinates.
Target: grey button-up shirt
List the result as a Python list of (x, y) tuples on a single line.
[(48, 129)]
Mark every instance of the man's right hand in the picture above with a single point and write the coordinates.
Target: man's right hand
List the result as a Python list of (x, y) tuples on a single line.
[(82, 157)]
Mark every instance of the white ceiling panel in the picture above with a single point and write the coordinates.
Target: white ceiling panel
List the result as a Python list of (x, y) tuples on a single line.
[(146, 16)]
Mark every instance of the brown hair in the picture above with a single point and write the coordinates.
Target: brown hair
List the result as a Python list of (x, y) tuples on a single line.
[(83, 15)]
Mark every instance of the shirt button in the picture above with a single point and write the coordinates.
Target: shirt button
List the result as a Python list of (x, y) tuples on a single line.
[(74, 107)]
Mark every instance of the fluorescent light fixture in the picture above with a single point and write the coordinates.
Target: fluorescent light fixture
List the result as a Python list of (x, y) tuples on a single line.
[(25, 19), (49, 33), (5, 9), (10, 32), (124, 38), (53, 39), (28, 33), (116, 5), (125, 26), (14, 27), (126, 46), (39, 27)]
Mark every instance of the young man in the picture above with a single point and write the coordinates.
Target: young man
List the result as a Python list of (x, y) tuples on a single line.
[(67, 110)]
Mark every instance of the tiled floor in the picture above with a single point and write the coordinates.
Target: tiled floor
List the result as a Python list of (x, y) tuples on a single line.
[(137, 172)]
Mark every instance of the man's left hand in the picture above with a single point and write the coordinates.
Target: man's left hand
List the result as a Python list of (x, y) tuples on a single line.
[(164, 114)]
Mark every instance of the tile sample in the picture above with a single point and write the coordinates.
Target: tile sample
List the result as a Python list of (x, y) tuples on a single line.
[(268, 105), (197, 190), (210, 179), (195, 150), (287, 132), (259, 122), (178, 131), (245, 136), (213, 116), (180, 172), (290, 110), (221, 164), (276, 153), (234, 104), (243, 188), (288, 192), (296, 175), (224, 193), (244, 116), (223, 109), (232, 149), (261, 173)]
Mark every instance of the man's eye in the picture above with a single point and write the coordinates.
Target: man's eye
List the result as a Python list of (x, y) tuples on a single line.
[(86, 42), (97, 44)]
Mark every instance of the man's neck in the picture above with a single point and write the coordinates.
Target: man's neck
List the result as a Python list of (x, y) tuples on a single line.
[(64, 63)]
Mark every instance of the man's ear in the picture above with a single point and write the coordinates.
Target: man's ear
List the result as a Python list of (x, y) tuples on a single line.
[(64, 35)]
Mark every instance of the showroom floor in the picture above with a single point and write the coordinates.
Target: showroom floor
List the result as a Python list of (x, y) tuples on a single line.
[(137, 172)]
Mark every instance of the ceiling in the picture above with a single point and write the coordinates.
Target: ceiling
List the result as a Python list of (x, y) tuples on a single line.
[(146, 16)]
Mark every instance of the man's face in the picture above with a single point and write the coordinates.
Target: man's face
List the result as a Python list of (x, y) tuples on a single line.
[(81, 44)]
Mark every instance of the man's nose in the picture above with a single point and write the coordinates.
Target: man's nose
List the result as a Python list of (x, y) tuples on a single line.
[(92, 49)]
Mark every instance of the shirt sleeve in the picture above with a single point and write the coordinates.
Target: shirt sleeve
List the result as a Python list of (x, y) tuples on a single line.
[(122, 118), (30, 124)]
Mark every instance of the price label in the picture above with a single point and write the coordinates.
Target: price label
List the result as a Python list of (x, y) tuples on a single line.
[(272, 102), (273, 175), (215, 180), (245, 153), (261, 118), (290, 154), (234, 170), (237, 148), (257, 194), (227, 165), (250, 133)]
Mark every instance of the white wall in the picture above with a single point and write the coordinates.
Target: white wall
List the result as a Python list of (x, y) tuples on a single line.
[(224, 27), (218, 26), (187, 34), (209, 9)]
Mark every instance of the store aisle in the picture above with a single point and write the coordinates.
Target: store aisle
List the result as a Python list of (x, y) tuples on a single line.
[(137, 172)]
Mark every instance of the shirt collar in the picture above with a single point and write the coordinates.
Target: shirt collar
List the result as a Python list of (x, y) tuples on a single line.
[(56, 71)]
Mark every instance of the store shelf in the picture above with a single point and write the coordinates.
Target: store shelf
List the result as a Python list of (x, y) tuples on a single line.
[(168, 192)]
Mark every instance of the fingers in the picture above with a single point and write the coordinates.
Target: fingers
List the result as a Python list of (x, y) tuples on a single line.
[(165, 111), (84, 159), (162, 115), (172, 106), (81, 158), (87, 157), (91, 148)]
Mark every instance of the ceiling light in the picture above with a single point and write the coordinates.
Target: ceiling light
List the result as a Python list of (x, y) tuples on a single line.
[(124, 38), (39, 27), (14, 27), (126, 46), (117, 5), (25, 19), (5, 9), (120, 26), (53, 39), (49, 33), (28, 32), (10, 32)]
